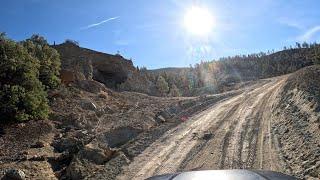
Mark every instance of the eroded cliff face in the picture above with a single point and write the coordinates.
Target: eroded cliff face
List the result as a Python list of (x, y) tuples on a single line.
[(105, 68)]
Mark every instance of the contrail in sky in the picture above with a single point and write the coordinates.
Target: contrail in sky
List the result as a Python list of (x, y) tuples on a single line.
[(99, 23)]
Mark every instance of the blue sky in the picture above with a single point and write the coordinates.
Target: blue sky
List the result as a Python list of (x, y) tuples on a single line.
[(151, 32)]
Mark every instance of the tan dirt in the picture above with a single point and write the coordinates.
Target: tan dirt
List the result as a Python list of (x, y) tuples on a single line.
[(240, 129)]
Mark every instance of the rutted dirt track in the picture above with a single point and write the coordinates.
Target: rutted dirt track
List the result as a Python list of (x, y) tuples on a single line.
[(232, 134)]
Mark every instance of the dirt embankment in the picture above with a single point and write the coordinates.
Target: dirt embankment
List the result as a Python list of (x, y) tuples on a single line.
[(297, 123)]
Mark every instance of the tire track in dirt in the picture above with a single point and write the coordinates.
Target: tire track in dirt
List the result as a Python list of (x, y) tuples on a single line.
[(268, 155), (248, 130), (218, 145), (233, 142), (176, 143), (213, 129), (235, 125)]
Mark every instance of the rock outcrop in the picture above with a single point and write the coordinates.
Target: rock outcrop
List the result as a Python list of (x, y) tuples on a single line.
[(110, 70)]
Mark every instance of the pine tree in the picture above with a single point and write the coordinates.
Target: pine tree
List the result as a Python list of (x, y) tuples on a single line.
[(174, 91), (162, 86), (22, 95)]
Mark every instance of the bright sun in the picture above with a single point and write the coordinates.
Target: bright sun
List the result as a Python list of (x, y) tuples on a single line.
[(198, 21)]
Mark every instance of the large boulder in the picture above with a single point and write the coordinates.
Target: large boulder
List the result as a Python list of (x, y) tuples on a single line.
[(92, 86), (120, 136), (110, 74), (88, 159), (84, 169), (68, 76), (105, 68), (68, 144), (96, 152)]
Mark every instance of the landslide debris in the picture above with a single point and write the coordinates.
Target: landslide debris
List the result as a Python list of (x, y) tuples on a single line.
[(92, 131)]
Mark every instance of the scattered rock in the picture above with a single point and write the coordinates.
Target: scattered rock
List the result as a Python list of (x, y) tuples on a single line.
[(21, 125), (38, 158), (96, 153), (103, 95), (59, 135), (38, 144), (92, 86), (165, 114), (195, 136), (82, 169), (14, 174), (76, 169), (120, 136), (207, 136), (160, 119), (88, 105), (70, 144)]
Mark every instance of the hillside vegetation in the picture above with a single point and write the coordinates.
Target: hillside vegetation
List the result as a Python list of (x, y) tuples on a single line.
[(219, 76), (27, 70)]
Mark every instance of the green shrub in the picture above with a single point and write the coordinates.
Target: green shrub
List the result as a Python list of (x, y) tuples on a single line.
[(49, 60), (22, 95)]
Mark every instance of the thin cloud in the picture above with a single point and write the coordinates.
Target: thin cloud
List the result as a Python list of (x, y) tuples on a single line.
[(309, 34), (99, 23), (291, 23)]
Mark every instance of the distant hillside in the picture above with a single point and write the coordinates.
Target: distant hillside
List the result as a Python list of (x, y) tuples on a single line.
[(169, 70), (221, 75), (120, 74)]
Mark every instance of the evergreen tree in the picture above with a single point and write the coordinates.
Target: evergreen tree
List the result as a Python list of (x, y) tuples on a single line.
[(162, 86), (49, 60), (22, 95), (174, 91)]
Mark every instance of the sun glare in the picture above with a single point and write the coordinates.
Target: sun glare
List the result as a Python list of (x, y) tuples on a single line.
[(198, 21)]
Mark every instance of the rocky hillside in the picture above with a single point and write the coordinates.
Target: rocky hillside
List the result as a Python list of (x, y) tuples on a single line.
[(91, 129), (297, 123), (211, 77)]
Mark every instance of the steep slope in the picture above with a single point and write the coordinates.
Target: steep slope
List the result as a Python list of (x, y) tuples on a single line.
[(297, 122)]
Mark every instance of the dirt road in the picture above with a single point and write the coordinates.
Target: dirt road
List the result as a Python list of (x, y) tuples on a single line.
[(232, 134)]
